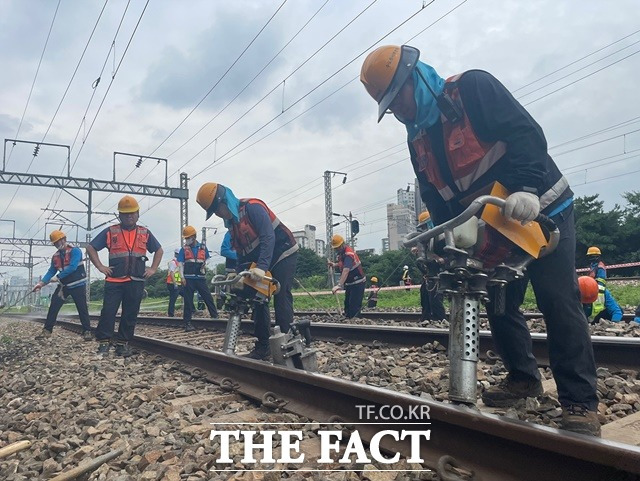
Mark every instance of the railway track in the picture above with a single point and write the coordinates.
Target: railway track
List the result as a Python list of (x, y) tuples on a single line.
[(459, 435), (611, 352)]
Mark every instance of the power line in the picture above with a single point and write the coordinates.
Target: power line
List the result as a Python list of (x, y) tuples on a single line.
[(575, 61), (582, 78), (46, 42)]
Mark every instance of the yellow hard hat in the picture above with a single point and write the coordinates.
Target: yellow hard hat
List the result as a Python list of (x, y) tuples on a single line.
[(128, 205), (384, 72), (209, 197), (188, 231), (56, 235), (593, 251), (374, 279), (424, 216), (336, 241)]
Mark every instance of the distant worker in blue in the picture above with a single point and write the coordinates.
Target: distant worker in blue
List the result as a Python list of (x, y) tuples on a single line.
[(598, 269), (193, 258), (229, 254), (597, 301), (67, 269)]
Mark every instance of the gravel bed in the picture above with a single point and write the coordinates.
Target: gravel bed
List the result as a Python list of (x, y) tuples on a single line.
[(74, 405), (424, 372)]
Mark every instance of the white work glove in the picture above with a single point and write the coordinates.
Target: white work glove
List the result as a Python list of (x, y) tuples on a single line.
[(54, 279), (239, 284), (335, 289), (522, 206), (256, 274), (38, 286)]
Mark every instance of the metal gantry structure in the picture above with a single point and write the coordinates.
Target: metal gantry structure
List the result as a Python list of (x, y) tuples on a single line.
[(90, 185)]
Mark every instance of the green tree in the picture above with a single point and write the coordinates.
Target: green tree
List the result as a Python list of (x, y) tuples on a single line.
[(310, 264), (595, 227)]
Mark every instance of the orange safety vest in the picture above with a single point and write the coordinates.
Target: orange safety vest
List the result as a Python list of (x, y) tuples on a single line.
[(127, 260), (60, 262), (468, 157), (194, 265), (356, 273), (245, 239)]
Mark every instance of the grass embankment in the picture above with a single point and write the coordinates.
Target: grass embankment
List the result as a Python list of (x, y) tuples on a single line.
[(628, 296)]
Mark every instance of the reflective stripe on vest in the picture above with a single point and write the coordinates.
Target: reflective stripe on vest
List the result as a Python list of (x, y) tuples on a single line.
[(356, 268), (76, 277), (468, 157), (599, 305), (120, 251), (244, 238), (188, 254)]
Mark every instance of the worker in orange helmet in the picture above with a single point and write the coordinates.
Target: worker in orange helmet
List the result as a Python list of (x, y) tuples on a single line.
[(352, 278), (257, 236), (128, 244), (464, 134)]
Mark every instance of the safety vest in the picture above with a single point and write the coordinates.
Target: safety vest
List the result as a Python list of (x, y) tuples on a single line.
[(62, 260), (245, 239), (356, 274), (173, 278), (194, 265), (127, 260), (468, 157), (593, 273), (599, 305)]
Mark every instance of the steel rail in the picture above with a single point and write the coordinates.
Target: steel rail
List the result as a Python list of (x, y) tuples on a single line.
[(494, 448), (613, 352), (415, 316)]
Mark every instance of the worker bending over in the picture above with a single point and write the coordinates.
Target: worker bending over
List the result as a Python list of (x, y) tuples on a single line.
[(352, 278)]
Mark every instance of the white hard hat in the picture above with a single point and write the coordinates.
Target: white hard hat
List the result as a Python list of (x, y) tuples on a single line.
[(176, 251), (406, 267)]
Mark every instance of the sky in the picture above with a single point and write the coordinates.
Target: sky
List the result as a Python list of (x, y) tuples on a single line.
[(263, 96)]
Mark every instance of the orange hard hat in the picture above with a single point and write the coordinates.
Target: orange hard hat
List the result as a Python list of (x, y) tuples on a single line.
[(384, 72), (56, 235), (209, 197), (128, 205), (588, 289), (188, 231)]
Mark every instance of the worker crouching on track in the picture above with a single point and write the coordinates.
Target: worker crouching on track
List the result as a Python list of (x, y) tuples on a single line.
[(597, 301), (193, 259), (257, 235), (128, 244), (174, 283), (67, 269), (464, 134), (352, 278)]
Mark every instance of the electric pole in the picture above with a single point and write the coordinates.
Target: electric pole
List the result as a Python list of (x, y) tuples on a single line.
[(328, 210)]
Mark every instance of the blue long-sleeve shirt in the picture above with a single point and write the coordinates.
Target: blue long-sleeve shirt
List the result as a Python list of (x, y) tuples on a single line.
[(612, 310), (75, 259), (226, 250)]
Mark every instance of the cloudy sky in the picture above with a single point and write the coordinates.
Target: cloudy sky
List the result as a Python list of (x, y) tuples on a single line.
[(274, 114)]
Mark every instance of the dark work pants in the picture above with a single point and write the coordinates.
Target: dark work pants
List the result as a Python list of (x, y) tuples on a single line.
[(130, 295), (79, 296), (284, 272), (173, 296), (197, 285), (431, 302), (555, 286), (353, 296)]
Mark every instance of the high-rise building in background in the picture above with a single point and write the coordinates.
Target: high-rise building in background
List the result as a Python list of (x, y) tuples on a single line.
[(385, 245), (402, 217), (307, 237), (419, 205), (320, 247)]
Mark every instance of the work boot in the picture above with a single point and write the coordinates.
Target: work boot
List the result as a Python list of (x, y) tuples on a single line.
[(44, 334), (103, 348), (87, 335), (580, 420), (510, 391), (260, 352), (188, 327), (123, 349)]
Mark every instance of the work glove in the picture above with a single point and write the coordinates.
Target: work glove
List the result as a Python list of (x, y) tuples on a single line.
[(54, 279), (256, 274), (38, 286), (335, 289), (522, 206)]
